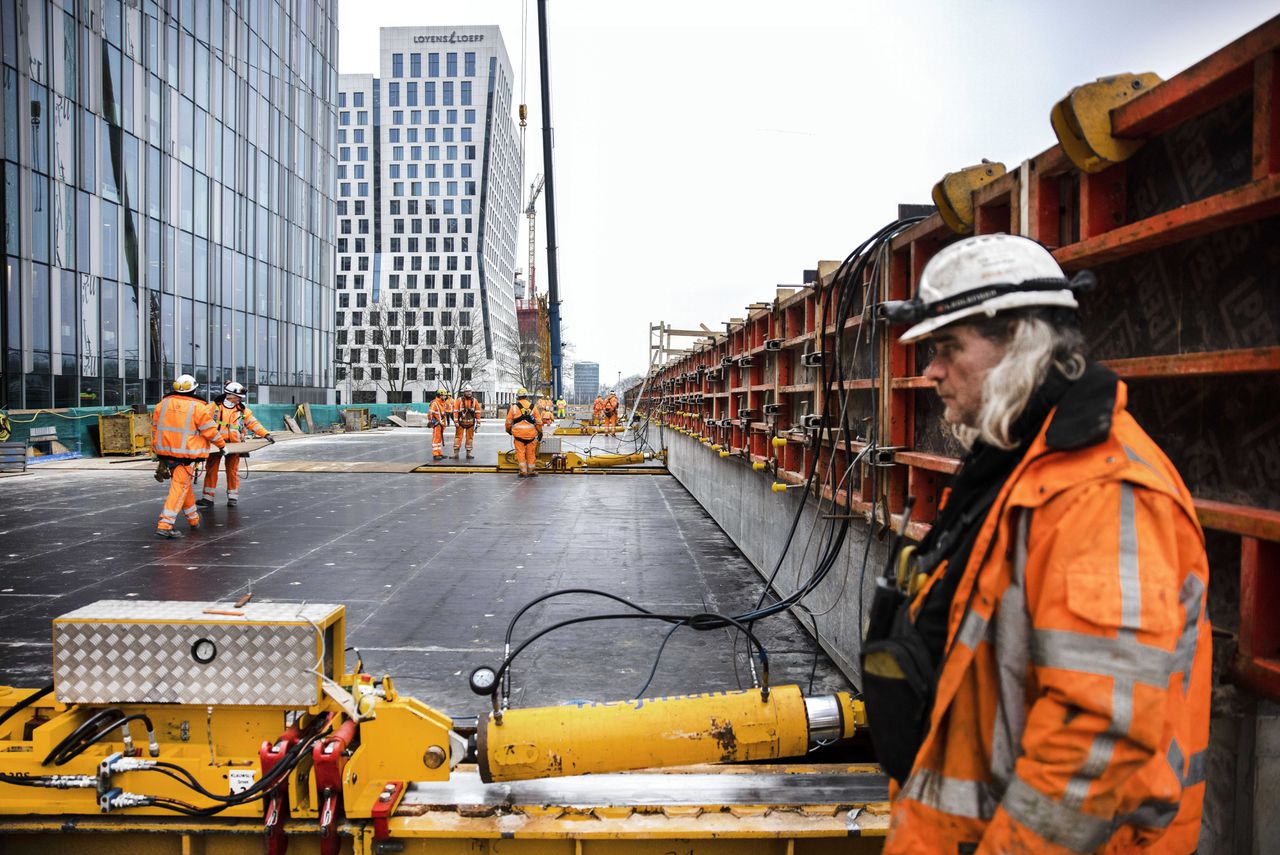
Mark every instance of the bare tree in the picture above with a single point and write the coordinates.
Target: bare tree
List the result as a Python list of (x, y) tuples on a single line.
[(460, 349), (393, 339)]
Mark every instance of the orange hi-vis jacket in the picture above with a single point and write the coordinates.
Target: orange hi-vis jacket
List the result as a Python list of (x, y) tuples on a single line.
[(235, 423), (611, 404), (598, 407), (1071, 712), (522, 420), (466, 412), (438, 412), (183, 427)]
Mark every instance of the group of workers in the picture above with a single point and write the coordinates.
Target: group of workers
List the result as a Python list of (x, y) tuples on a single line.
[(463, 412), (186, 431), (604, 412)]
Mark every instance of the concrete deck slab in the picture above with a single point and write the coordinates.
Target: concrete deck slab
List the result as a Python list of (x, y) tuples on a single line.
[(430, 566)]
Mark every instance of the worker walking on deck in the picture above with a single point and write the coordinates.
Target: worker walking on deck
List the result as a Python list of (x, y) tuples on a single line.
[(597, 410), (183, 429), (235, 423), (466, 417), (611, 412), (1042, 684), (525, 428), (437, 418)]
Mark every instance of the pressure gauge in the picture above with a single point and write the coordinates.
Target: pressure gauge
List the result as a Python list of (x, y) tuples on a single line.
[(483, 680), (203, 651)]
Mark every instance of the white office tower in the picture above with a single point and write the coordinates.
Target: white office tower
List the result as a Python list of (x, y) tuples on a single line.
[(428, 202)]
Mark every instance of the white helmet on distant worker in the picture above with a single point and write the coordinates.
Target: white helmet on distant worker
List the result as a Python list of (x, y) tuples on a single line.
[(185, 383), (233, 388), (984, 275)]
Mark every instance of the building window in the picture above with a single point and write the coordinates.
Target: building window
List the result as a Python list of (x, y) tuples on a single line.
[(433, 65), (429, 94), (393, 94), (469, 68), (362, 117), (342, 99), (411, 94), (465, 95), (446, 97), (470, 117), (415, 65), (397, 65), (451, 65), (357, 99)]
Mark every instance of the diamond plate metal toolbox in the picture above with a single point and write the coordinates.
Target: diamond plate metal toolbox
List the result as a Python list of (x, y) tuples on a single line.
[(158, 652)]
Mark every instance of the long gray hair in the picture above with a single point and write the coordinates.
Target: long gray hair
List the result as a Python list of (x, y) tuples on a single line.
[(1036, 342)]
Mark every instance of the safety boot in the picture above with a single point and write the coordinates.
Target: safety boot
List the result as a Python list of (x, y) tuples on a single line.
[(435, 458), (455, 454), (533, 474), (168, 533), (470, 456), (204, 502), (231, 503)]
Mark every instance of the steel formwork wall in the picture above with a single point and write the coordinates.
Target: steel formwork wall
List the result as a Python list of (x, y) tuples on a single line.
[(1185, 240)]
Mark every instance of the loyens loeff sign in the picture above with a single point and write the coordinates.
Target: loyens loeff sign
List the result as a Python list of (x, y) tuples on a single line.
[(451, 39)]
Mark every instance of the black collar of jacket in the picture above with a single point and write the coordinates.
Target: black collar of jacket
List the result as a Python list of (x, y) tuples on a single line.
[(1084, 413)]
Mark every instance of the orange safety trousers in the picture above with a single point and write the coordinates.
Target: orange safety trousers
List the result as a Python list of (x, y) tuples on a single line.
[(526, 453), (437, 440), (181, 498), (461, 433), (233, 475)]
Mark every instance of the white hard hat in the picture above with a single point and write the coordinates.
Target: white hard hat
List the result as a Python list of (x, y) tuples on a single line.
[(984, 275), (185, 383), (233, 388)]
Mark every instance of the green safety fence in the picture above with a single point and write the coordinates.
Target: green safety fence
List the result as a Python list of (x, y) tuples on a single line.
[(77, 427)]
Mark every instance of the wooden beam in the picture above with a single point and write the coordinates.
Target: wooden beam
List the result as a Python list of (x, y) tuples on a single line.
[(1247, 203), (1201, 87)]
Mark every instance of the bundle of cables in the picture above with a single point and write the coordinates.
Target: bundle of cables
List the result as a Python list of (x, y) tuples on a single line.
[(850, 290)]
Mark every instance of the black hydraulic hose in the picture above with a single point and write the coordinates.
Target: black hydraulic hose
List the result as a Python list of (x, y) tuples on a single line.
[(93, 721), (71, 751), (24, 703)]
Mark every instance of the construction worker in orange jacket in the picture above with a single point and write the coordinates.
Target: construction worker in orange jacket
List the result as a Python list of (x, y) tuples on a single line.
[(525, 426), (466, 417), (235, 422), (611, 412), (597, 410), (183, 429), (1042, 683), (437, 418)]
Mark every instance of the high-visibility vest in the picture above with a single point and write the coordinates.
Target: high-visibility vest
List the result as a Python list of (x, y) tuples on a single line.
[(235, 423), (183, 427), (466, 411), (438, 412), (522, 420), (1071, 711)]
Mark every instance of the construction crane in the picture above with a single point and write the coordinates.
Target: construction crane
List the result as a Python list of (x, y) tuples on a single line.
[(544, 332), (531, 211)]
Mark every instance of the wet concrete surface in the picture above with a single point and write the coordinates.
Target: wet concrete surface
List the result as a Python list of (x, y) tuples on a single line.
[(430, 567)]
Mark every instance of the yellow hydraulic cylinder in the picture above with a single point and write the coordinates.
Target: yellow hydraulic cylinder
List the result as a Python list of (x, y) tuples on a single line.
[(598, 460), (717, 727)]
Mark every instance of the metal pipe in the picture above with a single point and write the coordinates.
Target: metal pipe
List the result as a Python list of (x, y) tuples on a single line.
[(553, 280)]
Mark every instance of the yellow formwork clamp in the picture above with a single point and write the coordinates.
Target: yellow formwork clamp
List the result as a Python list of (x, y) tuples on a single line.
[(717, 447), (779, 487), (1082, 120), (724, 453), (759, 466), (954, 194), (779, 442), (704, 439)]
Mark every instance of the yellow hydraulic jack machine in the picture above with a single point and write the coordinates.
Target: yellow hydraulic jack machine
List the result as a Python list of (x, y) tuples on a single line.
[(253, 719)]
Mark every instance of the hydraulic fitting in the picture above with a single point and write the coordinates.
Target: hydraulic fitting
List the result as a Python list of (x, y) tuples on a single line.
[(117, 799)]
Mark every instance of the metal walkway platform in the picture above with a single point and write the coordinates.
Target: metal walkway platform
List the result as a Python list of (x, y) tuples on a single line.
[(430, 566)]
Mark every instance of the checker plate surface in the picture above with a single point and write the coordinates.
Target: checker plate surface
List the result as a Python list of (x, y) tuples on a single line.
[(120, 651)]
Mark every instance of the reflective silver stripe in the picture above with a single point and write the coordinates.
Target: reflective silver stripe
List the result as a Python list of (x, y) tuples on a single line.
[(973, 629), (1130, 584), (1053, 820), (207, 425), (1184, 655), (184, 432), (1013, 652), (1197, 769), (1133, 455), (955, 796), (169, 515), (1123, 658)]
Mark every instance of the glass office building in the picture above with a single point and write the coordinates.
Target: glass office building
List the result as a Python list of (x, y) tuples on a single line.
[(168, 197), (586, 382), (428, 198)]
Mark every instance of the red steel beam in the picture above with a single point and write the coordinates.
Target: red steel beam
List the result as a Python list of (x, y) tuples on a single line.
[(1201, 87), (1245, 361), (1245, 520), (1252, 201), (1266, 115), (1257, 662)]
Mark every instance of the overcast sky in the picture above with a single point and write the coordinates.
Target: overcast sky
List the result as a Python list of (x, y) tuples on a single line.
[(708, 150)]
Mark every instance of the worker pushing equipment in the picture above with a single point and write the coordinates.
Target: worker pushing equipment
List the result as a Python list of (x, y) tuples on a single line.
[(466, 417), (1037, 672), (525, 427), (437, 418), (183, 428), (235, 422)]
